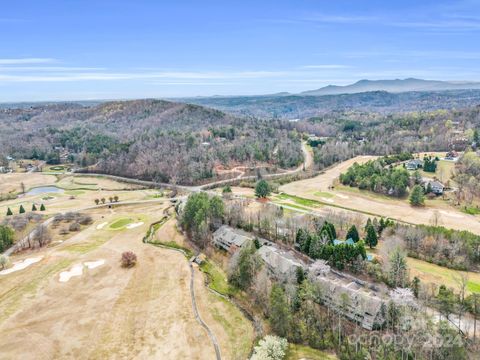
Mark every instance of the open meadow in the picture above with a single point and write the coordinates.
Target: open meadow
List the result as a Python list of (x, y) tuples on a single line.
[(319, 189), (74, 300)]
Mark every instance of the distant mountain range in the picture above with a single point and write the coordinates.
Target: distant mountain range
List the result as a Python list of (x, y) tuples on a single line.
[(303, 106), (393, 86)]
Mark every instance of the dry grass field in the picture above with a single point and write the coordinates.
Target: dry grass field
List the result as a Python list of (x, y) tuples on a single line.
[(11, 183), (317, 189), (107, 311), (93, 183)]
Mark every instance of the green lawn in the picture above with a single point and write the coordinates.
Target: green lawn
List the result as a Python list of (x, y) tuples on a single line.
[(217, 280), (444, 171), (299, 200), (471, 210), (368, 193), (297, 352), (120, 223), (173, 245), (237, 327), (439, 275)]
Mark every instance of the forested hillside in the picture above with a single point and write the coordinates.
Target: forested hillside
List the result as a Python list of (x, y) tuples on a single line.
[(346, 134), (148, 139), (305, 106)]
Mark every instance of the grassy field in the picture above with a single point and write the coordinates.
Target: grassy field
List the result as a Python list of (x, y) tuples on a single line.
[(294, 206), (323, 194), (299, 352), (431, 273), (55, 168), (12, 182), (369, 194), (299, 200), (217, 280), (444, 171), (112, 312), (121, 223)]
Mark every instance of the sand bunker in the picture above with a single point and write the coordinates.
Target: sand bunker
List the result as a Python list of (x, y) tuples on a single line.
[(94, 264), (102, 225), (134, 225), (342, 196), (77, 270), (20, 265), (327, 200)]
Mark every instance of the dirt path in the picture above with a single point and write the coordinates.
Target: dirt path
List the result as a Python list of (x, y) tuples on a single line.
[(308, 162), (210, 333), (199, 319), (318, 188)]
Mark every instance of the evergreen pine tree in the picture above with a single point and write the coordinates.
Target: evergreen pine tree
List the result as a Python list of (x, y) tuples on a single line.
[(9, 212), (262, 189), (42, 207), (369, 222), (34, 208), (21, 210), (353, 234), (371, 239), (417, 198)]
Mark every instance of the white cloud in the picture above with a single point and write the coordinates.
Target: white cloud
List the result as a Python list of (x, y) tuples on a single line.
[(26, 61), (340, 19), (17, 69), (107, 76), (326, 66)]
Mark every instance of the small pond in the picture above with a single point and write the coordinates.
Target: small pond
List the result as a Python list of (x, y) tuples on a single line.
[(44, 190)]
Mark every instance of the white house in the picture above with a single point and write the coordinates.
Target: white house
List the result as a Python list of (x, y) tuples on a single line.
[(414, 164), (436, 186)]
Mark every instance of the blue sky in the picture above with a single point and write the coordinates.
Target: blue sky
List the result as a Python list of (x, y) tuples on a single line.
[(69, 50)]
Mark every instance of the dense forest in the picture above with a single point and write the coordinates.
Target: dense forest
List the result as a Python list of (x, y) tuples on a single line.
[(288, 106), (148, 139), (347, 134), (189, 144), (378, 176)]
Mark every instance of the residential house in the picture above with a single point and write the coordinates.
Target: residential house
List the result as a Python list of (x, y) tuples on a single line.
[(414, 164), (451, 155), (436, 186), (348, 242), (281, 264), (357, 300), (459, 143), (230, 239)]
